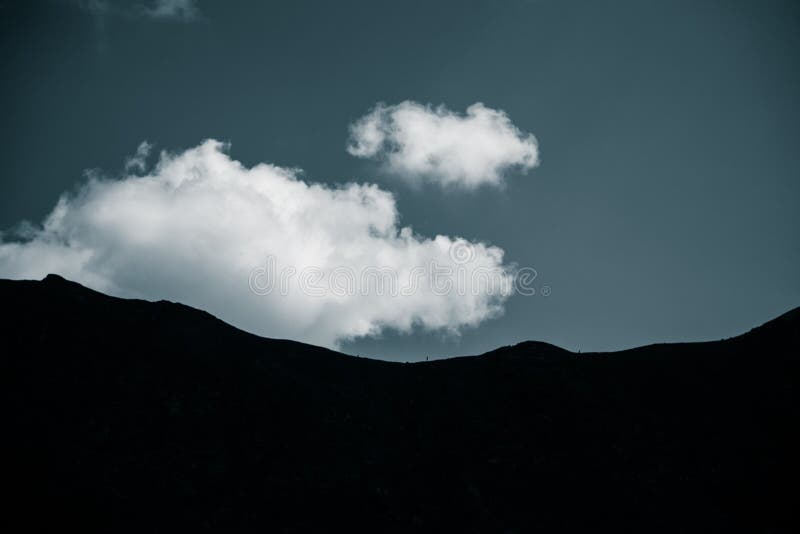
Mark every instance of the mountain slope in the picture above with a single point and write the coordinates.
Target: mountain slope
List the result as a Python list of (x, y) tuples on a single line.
[(131, 416)]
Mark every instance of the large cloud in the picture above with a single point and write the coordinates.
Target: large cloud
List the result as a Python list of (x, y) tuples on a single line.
[(200, 228), (444, 147)]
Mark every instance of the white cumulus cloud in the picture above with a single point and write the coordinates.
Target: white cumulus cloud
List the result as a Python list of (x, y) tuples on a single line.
[(421, 142), (203, 229)]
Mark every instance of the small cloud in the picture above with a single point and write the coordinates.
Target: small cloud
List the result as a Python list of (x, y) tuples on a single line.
[(418, 141), (138, 162), (173, 9), (178, 10)]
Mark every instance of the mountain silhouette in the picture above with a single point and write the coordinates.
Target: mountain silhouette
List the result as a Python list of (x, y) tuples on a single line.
[(133, 416)]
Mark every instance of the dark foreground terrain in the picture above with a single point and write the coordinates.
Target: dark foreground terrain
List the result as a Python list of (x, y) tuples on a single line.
[(131, 416)]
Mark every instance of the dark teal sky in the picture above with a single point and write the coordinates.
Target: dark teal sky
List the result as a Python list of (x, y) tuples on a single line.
[(666, 204)]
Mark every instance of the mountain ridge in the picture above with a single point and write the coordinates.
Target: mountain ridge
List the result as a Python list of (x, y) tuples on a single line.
[(788, 318), (129, 416)]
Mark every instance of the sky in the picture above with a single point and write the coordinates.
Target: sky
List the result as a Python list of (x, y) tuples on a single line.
[(639, 156)]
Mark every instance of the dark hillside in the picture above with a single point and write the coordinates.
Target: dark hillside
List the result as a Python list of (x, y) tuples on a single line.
[(132, 416)]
